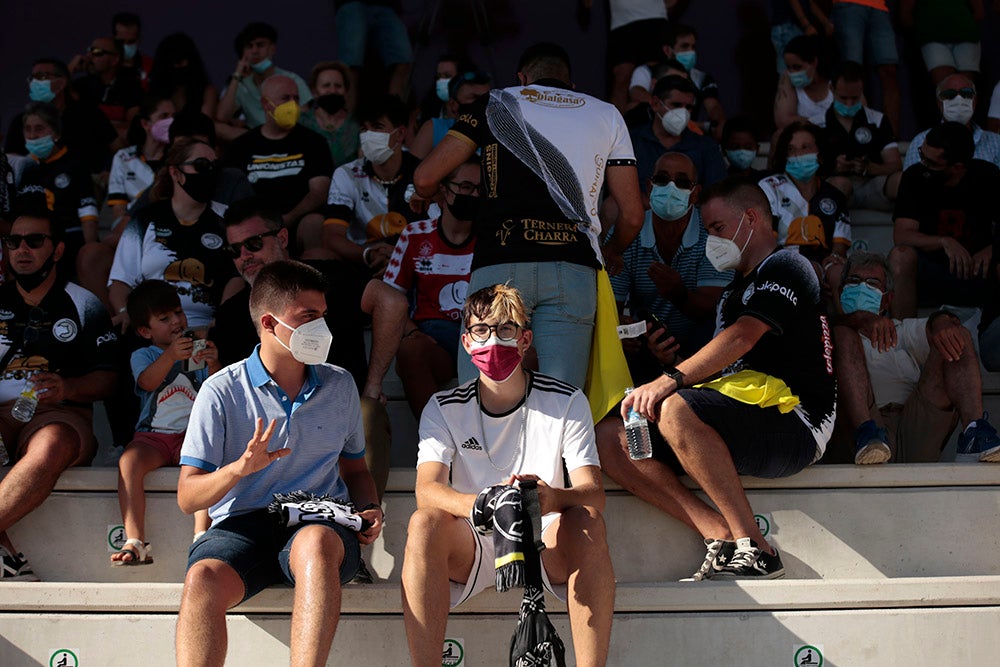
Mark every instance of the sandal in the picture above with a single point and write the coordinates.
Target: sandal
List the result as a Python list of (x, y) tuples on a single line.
[(139, 550)]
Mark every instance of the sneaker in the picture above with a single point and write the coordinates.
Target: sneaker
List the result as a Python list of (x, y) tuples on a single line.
[(719, 553), (979, 442), (364, 575), (751, 562), (15, 568), (871, 444)]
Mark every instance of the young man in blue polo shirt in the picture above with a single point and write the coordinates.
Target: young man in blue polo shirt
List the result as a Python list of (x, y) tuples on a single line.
[(280, 421)]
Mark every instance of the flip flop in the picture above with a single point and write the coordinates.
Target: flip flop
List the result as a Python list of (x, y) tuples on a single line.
[(139, 550)]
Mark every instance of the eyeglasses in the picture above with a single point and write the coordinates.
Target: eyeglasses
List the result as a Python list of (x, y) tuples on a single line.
[(97, 52), (505, 331), (463, 187), (34, 241), (926, 162), (202, 165), (680, 180), (252, 243), (950, 94), (857, 280)]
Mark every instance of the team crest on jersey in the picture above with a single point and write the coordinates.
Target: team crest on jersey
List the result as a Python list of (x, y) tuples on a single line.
[(548, 98), (747, 293), (64, 330), (863, 135), (6, 315), (62, 181), (211, 241), (827, 206)]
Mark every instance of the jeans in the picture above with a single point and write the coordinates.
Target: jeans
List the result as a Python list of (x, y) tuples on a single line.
[(357, 21), (561, 299), (854, 25)]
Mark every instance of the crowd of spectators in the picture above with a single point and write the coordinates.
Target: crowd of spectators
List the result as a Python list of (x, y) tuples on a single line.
[(140, 204)]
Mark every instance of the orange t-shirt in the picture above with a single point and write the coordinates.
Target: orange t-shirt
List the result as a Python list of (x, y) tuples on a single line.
[(874, 4)]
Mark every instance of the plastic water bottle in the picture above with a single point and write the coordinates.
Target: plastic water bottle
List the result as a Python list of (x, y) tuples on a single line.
[(637, 434), (24, 406)]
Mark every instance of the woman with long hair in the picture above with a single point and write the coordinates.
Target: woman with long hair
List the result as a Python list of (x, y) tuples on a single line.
[(179, 75)]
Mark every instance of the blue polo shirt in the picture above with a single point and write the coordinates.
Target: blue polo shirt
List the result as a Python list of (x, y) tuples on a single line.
[(320, 425), (634, 286), (703, 151)]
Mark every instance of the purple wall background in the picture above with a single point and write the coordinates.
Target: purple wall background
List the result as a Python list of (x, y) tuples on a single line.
[(733, 46)]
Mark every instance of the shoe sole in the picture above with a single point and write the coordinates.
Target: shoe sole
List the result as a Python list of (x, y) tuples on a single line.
[(750, 577), (990, 455), (22, 577), (872, 454)]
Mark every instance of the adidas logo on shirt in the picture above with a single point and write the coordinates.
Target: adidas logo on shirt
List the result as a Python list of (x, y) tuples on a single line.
[(471, 443)]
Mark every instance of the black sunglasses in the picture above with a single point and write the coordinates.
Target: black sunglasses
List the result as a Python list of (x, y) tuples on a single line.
[(253, 243), (967, 92), (34, 241), (202, 165), (681, 181)]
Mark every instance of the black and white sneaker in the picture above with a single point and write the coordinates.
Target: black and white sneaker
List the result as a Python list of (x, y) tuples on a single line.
[(719, 553), (751, 562), (15, 567)]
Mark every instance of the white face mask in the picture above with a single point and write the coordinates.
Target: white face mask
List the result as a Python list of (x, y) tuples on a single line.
[(375, 146), (675, 120), (724, 254), (957, 110), (310, 342)]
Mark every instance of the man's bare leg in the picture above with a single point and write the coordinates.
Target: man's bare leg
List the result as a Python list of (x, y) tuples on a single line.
[(655, 483), (434, 538), (210, 588), (706, 459), (315, 559), (577, 554)]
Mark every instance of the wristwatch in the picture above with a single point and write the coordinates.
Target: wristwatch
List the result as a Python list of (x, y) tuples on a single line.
[(676, 376)]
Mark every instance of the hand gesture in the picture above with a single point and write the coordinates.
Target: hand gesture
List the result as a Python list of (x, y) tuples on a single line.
[(663, 346), (256, 457), (242, 68), (959, 260)]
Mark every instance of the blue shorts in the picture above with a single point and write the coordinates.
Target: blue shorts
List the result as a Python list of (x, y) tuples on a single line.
[(761, 441), (856, 26), (359, 21), (445, 333), (258, 548)]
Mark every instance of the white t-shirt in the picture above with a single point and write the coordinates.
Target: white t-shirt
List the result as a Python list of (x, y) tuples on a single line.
[(894, 373), (809, 108), (624, 12), (558, 427)]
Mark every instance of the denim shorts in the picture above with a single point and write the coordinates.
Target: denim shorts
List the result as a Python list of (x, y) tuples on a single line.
[(761, 441), (781, 34), (258, 549), (857, 26), (446, 333), (359, 21), (561, 298)]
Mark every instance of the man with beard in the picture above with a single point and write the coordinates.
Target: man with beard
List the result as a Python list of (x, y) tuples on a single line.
[(59, 336)]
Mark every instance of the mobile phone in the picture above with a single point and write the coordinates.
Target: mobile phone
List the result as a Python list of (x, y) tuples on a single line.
[(199, 344), (655, 324)]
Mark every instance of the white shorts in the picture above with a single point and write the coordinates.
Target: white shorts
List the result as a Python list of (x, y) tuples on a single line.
[(483, 574), (963, 56)]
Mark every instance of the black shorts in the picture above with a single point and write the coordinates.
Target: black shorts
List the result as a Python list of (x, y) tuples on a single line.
[(761, 441), (638, 42), (936, 285)]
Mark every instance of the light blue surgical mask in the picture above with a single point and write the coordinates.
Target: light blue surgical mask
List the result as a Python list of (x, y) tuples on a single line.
[(686, 58), (441, 89), (262, 66), (861, 297), (41, 91), (845, 110), (741, 158), (669, 201), (802, 167), (130, 50), (42, 147), (800, 79)]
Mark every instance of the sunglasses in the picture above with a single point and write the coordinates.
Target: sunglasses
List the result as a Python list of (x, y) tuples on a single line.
[(967, 93), (202, 165), (98, 52), (681, 181), (34, 241), (253, 243)]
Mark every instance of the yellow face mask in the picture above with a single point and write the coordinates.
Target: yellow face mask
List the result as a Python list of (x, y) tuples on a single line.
[(286, 115)]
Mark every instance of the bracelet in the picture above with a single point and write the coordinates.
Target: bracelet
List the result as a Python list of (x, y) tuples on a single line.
[(122, 309), (364, 256)]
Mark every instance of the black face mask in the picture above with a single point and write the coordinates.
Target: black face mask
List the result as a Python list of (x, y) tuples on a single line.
[(29, 281), (200, 186), (331, 103), (464, 207), (936, 176)]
